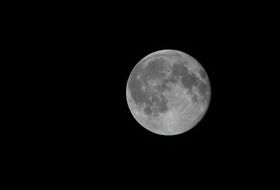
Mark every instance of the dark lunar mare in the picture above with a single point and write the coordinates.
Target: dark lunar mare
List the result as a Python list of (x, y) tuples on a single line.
[(188, 78)]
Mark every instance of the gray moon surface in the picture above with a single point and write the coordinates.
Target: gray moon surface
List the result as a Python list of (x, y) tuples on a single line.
[(179, 121)]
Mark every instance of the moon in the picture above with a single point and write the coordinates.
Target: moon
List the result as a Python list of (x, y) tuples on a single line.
[(183, 113)]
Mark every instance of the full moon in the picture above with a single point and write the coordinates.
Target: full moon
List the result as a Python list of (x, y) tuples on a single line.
[(185, 107)]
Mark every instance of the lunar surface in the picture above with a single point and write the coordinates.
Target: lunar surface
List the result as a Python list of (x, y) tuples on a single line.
[(162, 98)]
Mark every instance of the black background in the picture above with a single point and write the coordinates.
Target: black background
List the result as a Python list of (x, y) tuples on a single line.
[(95, 121), (80, 62)]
